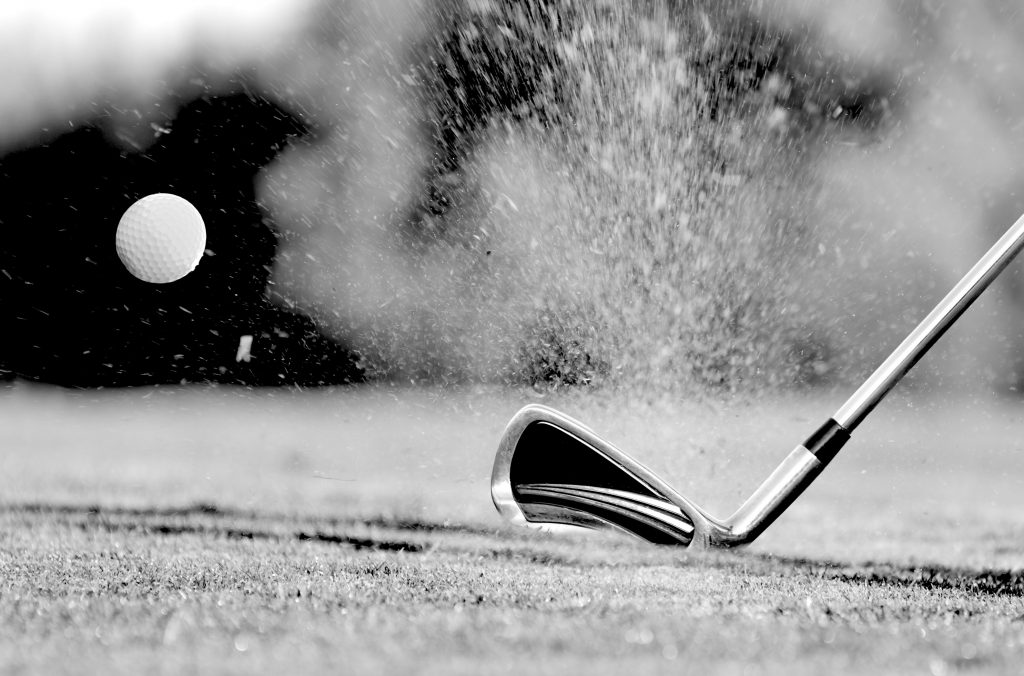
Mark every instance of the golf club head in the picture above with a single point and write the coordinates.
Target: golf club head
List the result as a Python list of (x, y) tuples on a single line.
[(551, 469)]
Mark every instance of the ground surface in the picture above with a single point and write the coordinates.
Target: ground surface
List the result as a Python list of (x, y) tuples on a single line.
[(213, 530)]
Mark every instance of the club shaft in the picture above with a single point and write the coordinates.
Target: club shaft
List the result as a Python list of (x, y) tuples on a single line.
[(931, 328)]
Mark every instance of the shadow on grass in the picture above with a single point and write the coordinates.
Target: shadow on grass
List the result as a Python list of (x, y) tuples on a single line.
[(212, 521), (388, 534), (412, 536), (924, 576), (210, 510)]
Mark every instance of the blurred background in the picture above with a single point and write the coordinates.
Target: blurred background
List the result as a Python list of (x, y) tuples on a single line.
[(695, 197)]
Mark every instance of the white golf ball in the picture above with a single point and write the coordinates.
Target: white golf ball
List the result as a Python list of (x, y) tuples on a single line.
[(161, 238)]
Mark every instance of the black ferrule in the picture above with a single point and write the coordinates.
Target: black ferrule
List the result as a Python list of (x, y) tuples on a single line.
[(827, 441)]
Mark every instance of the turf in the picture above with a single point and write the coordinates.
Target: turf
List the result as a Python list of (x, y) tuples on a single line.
[(184, 531)]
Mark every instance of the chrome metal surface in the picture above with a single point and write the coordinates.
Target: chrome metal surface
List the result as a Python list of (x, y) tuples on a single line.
[(931, 328), (662, 509), (771, 498)]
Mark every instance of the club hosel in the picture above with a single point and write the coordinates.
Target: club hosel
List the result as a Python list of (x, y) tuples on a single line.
[(785, 485)]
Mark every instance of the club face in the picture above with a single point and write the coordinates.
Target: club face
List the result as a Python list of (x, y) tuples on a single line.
[(550, 469)]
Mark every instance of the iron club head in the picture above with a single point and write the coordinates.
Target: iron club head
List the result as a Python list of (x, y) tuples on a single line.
[(551, 469)]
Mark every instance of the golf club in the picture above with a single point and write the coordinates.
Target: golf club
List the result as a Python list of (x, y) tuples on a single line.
[(551, 469)]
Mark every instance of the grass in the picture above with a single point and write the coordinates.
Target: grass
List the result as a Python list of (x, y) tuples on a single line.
[(187, 531)]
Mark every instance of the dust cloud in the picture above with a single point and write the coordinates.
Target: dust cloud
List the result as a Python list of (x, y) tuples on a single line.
[(904, 215), (710, 197)]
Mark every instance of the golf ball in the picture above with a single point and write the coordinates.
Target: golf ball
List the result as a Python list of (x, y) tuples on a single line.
[(161, 238)]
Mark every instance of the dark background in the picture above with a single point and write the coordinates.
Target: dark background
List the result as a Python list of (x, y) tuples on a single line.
[(74, 316)]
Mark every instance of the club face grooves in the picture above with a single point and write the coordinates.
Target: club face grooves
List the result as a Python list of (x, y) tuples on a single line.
[(551, 470)]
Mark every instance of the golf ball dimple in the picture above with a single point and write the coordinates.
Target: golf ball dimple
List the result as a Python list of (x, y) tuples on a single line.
[(161, 238)]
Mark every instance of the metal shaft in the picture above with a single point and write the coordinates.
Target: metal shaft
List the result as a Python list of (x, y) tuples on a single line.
[(931, 328)]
